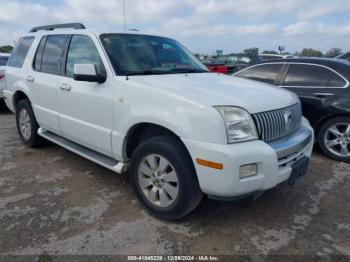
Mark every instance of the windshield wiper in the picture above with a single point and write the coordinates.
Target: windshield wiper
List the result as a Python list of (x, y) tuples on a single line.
[(188, 70), (148, 72), (167, 71)]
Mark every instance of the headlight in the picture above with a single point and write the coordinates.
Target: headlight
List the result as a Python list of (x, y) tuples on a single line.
[(239, 124)]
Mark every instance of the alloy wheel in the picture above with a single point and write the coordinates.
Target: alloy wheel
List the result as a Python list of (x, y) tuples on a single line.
[(337, 139), (24, 123), (158, 180)]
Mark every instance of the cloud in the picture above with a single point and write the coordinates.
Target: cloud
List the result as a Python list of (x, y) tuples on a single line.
[(307, 29), (203, 24), (314, 10)]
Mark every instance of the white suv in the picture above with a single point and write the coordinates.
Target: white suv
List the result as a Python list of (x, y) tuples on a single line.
[(145, 104)]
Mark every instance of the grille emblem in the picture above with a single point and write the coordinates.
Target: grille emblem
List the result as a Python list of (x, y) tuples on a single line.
[(288, 120)]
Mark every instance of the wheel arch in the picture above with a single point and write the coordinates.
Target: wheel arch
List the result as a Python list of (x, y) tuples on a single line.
[(143, 131), (19, 95)]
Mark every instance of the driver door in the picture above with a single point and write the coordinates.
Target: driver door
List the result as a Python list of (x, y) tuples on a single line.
[(85, 115)]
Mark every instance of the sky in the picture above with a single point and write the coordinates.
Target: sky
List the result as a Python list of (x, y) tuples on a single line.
[(202, 25)]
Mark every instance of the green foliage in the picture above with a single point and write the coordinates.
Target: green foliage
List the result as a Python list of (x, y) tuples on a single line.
[(333, 52), (309, 52), (6, 49)]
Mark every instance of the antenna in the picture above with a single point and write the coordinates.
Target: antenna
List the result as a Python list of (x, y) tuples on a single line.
[(124, 8)]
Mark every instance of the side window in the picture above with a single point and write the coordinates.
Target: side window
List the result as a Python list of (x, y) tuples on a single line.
[(53, 54), (39, 54), (82, 50), (311, 76), (265, 73), (20, 51), (335, 80)]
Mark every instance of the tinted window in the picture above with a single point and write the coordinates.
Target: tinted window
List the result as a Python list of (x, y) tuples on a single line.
[(3, 60), (53, 53), (39, 54), (311, 75), (20, 51), (335, 80), (265, 73), (82, 50)]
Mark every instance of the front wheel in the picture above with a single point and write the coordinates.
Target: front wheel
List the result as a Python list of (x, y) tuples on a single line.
[(334, 139), (164, 178)]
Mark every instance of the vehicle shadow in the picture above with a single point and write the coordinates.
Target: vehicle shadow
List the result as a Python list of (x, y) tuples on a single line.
[(3, 108)]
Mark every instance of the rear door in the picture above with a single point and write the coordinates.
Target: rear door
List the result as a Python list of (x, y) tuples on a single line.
[(43, 80), (315, 85), (86, 108)]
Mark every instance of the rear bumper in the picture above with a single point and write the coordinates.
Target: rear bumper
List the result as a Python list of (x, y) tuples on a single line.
[(273, 162)]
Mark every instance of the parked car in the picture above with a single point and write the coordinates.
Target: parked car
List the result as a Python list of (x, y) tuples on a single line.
[(345, 56), (228, 64), (265, 57), (144, 103), (323, 87), (3, 61)]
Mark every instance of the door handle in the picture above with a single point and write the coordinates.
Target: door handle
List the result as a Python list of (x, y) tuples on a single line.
[(30, 78), (323, 95), (65, 87)]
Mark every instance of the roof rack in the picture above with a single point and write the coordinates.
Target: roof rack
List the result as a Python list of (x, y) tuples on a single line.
[(57, 26)]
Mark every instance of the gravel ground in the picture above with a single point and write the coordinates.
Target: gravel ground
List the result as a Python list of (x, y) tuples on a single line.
[(55, 202)]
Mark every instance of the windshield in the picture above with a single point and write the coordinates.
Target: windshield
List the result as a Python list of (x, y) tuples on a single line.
[(142, 54), (3, 60)]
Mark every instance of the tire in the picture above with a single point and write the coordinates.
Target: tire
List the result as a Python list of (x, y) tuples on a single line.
[(336, 130), (27, 130), (188, 195)]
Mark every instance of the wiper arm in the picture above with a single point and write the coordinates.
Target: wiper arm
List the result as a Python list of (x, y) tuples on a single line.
[(189, 70), (147, 72)]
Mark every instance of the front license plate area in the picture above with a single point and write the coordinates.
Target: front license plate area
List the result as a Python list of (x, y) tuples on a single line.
[(299, 169)]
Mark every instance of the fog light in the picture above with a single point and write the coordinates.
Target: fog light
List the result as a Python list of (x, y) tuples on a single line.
[(248, 170)]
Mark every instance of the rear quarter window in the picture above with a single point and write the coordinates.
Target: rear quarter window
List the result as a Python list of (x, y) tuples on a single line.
[(20, 51)]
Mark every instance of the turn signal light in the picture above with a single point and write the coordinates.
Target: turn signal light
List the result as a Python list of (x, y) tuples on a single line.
[(210, 164)]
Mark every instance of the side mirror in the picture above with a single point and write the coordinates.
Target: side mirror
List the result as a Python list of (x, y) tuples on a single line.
[(88, 73)]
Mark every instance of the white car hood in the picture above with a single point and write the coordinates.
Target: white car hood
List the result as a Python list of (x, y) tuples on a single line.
[(211, 89)]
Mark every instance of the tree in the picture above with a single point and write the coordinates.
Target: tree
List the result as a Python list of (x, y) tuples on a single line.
[(333, 52), (6, 49), (309, 52), (270, 52)]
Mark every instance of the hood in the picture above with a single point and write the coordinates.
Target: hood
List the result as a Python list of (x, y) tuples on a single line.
[(212, 89)]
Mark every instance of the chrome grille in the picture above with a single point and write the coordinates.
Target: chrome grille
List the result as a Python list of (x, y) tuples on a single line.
[(272, 125)]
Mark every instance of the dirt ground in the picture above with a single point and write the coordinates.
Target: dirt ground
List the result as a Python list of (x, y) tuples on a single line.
[(55, 202)]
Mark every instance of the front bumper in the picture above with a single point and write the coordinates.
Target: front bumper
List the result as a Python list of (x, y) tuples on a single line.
[(273, 160)]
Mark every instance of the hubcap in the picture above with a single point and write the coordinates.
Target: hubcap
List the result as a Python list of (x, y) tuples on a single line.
[(158, 180), (337, 139), (24, 124)]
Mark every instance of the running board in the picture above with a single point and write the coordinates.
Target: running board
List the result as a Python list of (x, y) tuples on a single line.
[(85, 152)]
